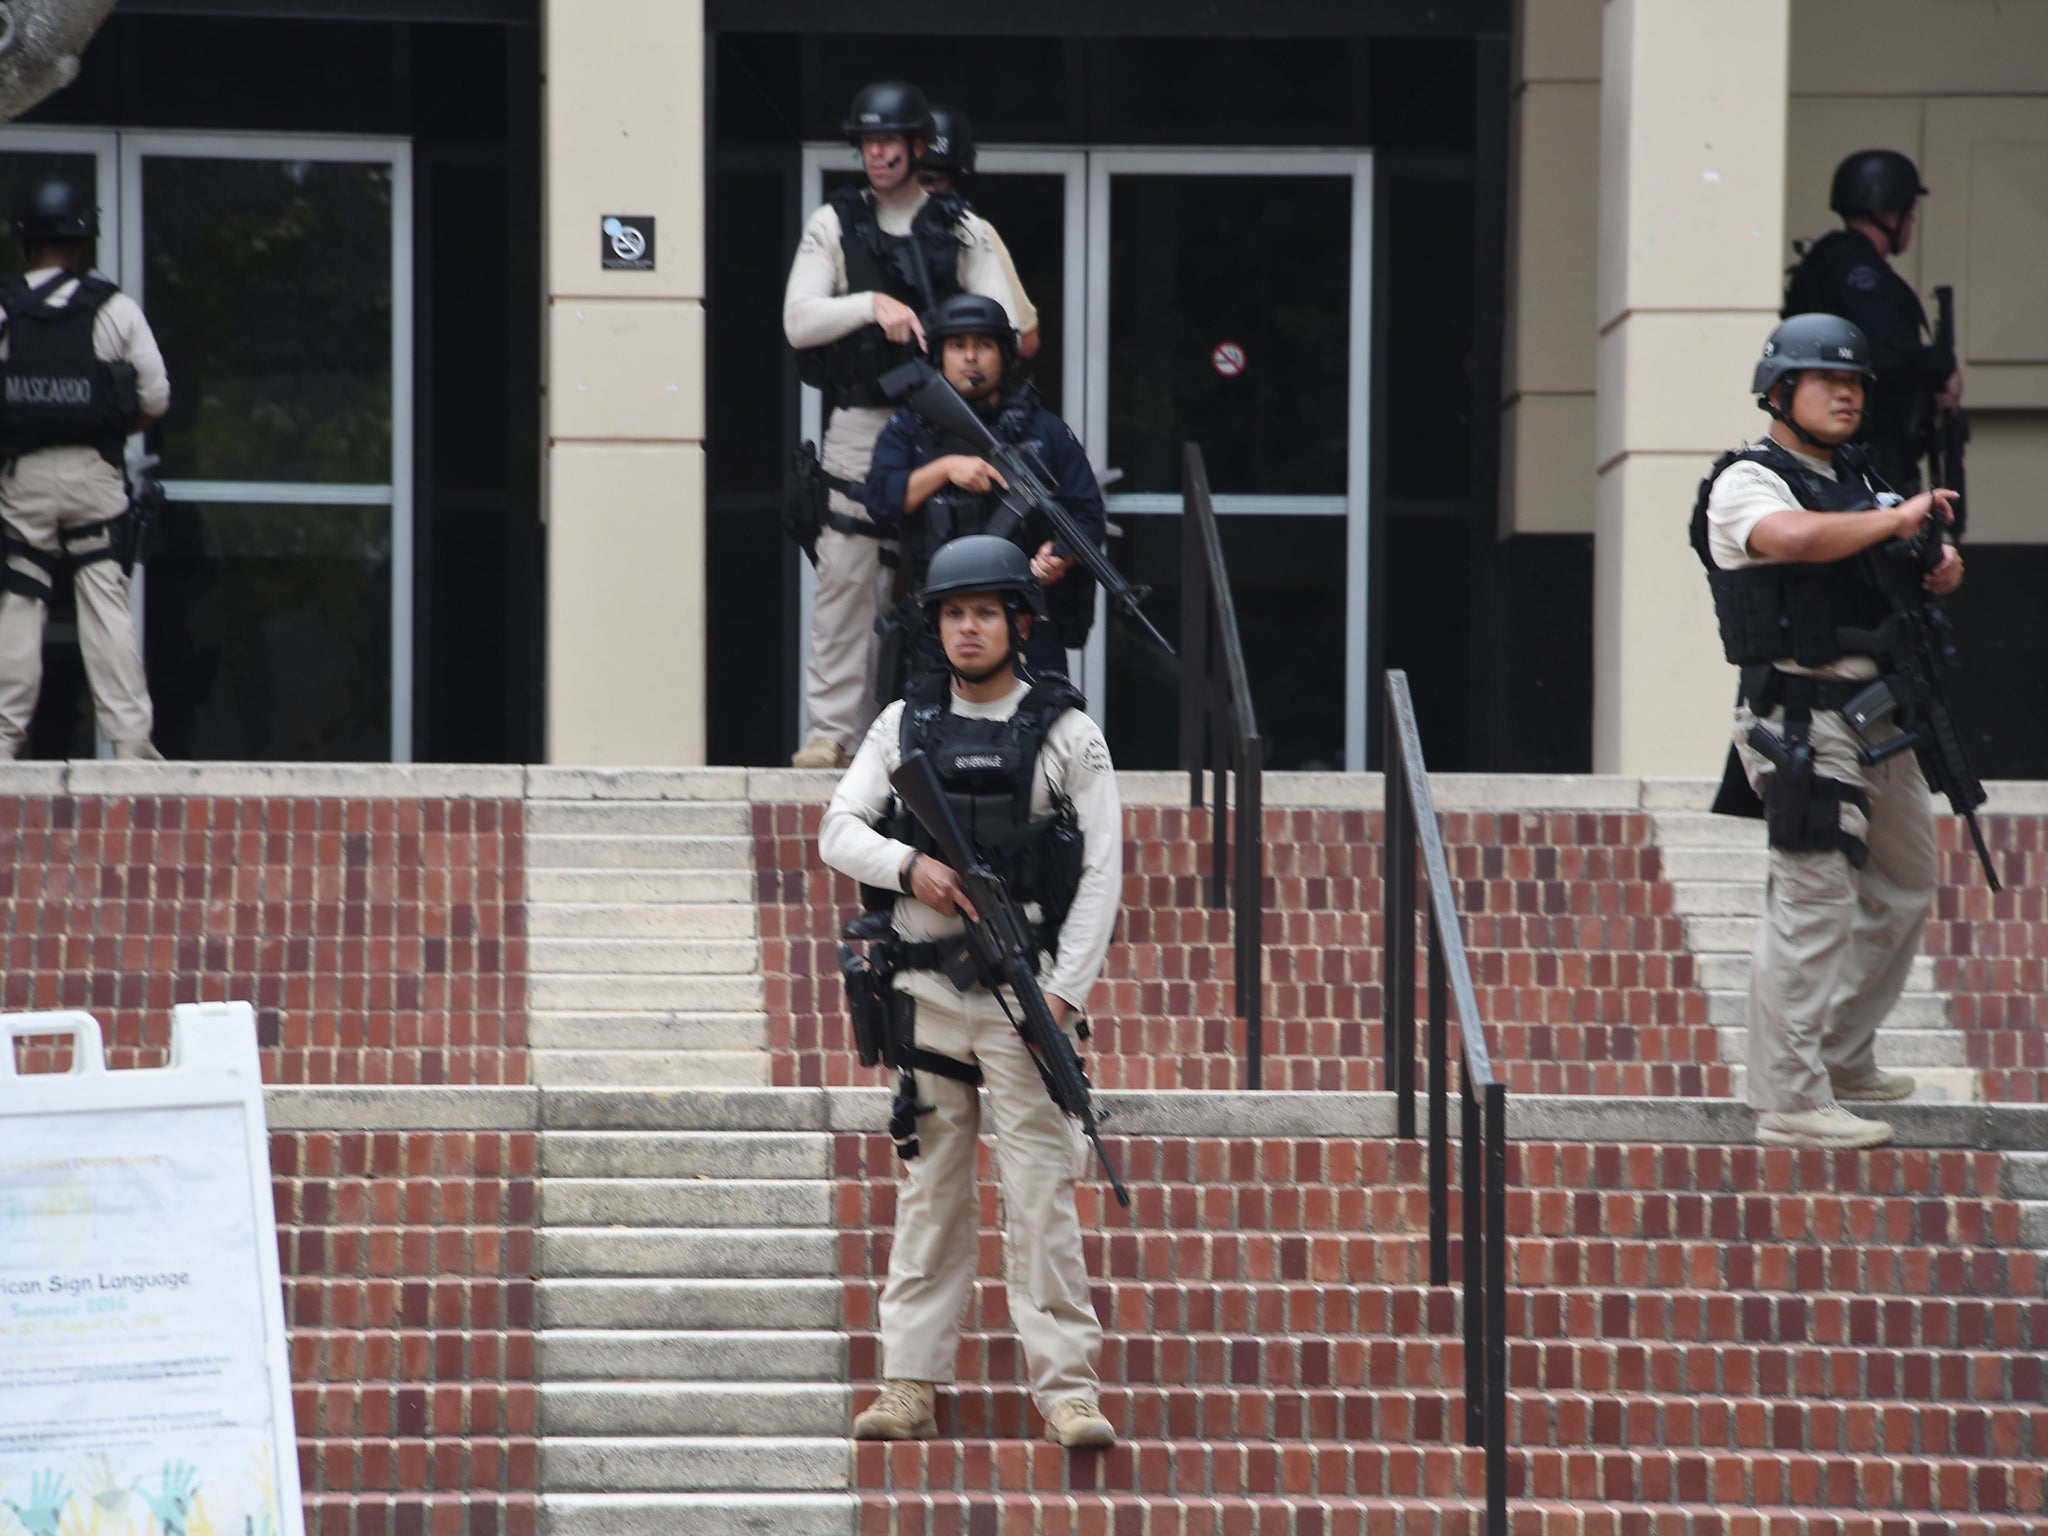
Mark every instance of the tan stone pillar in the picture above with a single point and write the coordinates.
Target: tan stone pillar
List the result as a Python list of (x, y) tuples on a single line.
[(625, 385), (1692, 196)]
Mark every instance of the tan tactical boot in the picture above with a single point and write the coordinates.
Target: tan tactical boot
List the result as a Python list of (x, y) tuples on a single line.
[(902, 1412), (1829, 1126), (136, 752), (1879, 1087), (819, 752), (1078, 1421)]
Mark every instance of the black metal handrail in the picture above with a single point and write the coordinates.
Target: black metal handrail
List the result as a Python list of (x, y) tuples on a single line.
[(1214, 692), (1411, 827)]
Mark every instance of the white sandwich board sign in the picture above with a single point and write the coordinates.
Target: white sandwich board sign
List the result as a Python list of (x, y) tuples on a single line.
[(145, 1388)]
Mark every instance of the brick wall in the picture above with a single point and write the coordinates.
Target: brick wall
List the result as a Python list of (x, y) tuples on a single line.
[(1582, 970), (407, 1260), (1991, 952), (381, 940)]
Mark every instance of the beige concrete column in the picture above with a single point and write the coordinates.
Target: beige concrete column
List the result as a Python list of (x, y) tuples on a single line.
[(1692, 196), (625, 383)]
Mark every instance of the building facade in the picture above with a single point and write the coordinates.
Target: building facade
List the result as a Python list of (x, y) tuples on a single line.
[(1459, 301)]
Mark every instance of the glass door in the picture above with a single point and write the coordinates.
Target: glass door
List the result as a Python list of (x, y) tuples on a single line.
[(276, 273), (1229, 305)]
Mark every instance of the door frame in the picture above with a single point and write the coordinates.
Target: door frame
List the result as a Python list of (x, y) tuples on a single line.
[(1354, 506), (139, 144), (1084, 330), (120, 153)]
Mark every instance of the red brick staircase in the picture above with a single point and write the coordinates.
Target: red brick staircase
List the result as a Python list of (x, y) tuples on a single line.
[(1702, 1339)]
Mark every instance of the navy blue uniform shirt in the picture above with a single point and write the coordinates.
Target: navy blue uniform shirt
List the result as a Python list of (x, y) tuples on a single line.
[(900, 449)]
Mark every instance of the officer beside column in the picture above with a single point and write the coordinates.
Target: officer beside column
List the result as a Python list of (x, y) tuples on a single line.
[(872, 260), (1848, 272), (1787, 528), (929, 489), (81, 372), (1026, 770)]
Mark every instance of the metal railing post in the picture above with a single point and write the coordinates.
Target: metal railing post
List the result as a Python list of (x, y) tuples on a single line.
[(1439, 1118), (1194, 622), (1470, 1163), (1251, 916), (1496, 1309)]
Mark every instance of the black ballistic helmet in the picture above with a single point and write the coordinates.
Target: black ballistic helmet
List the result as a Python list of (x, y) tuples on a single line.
[(1875, 181), (972, 314), (981, 562), (950, 145), (54, 209), (1824, 342), (888, 106)]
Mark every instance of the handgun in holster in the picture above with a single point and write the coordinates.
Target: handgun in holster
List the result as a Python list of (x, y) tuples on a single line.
[(1785, 805), (868, 995)]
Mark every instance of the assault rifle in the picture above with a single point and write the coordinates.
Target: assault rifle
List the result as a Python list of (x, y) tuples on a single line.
[(925, 390), (1952, 431), (999, 952), (1915, 645)]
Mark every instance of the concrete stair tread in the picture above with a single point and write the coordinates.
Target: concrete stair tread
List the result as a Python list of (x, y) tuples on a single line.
[(1903, 1048), (574, 886), (642, 1032), (723, 1513), (719, 1204), (612, 818), (721, 1354), (688, 1463), (658, 956), (642, 920), (661, 1408), (566, 852), (657, 1253), (668, 992), (740, 1067), (686, 1154)]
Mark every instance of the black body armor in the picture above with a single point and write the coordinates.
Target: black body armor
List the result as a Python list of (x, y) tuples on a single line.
[(54, 391), (921, 269), (1797, 610), (952, 513), (1840, 274), (987, 769)]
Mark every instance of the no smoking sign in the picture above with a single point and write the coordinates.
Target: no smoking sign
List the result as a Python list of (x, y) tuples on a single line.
[(1227, 359)]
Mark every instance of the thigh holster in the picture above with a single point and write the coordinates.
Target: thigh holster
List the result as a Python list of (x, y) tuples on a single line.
[(25, 583), (1803, 809)]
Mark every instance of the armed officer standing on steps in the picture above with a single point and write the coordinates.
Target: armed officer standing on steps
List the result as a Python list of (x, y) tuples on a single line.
[(1025, 771), (1848, 272), (872, 260), (81, 372), (1787, 528), (929, 489)]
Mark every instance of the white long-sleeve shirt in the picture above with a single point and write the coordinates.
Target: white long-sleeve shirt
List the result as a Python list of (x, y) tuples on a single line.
[(1074, 761), (817, 309)]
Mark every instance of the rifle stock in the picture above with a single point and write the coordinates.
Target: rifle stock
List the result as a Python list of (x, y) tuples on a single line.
[(1000, 941), (925, 390)]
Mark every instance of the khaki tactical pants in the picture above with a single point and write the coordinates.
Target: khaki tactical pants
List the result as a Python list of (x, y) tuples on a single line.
[(1835, 942), (1039, 1154), (853, 587), (48, 491)]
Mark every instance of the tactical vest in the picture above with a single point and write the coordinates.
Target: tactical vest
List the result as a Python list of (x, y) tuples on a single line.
[(921, 269), (987, 769), (54, 391), (952, 513), (1797, 609)]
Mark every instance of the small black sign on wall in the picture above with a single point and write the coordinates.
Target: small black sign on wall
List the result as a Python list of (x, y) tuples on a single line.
[(627, 242)]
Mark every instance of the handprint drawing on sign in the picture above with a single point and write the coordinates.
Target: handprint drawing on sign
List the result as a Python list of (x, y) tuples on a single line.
[(47, 1497), (172, 1504), (107, 1490)]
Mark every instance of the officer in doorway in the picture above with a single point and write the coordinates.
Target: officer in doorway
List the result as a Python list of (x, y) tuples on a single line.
[(872, 260), (1848, 272), (81, 371), (1031, 780), (946, 164), (928, 490), (1787, 528)]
